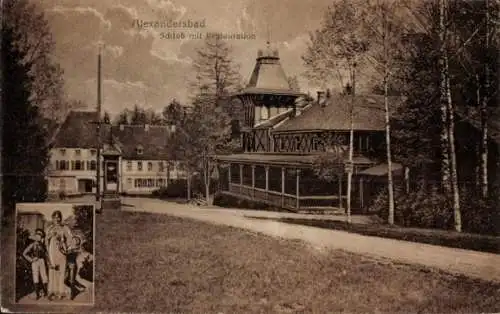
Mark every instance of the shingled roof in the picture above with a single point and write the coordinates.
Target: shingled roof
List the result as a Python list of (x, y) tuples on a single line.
[(268, 76), (78, 131), (153, 141), (334, 114)]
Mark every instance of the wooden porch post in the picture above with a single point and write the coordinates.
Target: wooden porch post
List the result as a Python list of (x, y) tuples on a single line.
[(229, 176), (361, 194), (253, 181), (297, 185), (267, 178), (241, 174), (340, 191), (282, 186)]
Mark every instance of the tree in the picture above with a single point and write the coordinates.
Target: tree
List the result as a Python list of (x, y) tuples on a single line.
[(106, 118), (32, 37), (217, 74), (173, 112), (293, 82), (384, 31), (337, 47), (25, 142), (122, 118)]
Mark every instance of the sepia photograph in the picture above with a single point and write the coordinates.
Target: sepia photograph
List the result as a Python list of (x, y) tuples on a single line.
[(250, 156), (54, 253)]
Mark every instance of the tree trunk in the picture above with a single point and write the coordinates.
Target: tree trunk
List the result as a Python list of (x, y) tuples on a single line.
[(454, 176), (484, 112), (450, 126), (445, 162), (390, 185), (407, 180), (350, 170), (189, 185)]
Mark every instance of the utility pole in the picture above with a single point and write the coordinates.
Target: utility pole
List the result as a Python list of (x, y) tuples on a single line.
[(98, 122)]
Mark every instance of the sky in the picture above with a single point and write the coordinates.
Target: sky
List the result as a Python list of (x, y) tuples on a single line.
[(141, 67)]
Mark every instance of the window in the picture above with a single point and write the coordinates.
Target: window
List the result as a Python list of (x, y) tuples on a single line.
[(129, 181), (129, 166), (62, 165), (78, 152), (150, 166), (139, 165), (93, 165), (139, 150), (93, 152), (160, 182), (79, 165), (161, 167), (63, 152), (73, 167)]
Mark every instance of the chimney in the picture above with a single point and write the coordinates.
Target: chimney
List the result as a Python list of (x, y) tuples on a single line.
[(122, 127), (320, 97), (146, 127)]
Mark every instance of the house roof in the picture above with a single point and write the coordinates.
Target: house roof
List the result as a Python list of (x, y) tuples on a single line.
[(268, 76), (334, 114), (79, 131), (275, 120), (298, 160), (152, 140)]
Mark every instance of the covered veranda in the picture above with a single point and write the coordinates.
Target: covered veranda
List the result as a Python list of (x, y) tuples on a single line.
[(287, 181)]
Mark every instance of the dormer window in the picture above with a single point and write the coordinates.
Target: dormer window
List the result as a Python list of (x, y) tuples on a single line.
[(78, 152), (139, 150), (93, 152), (63, 152)]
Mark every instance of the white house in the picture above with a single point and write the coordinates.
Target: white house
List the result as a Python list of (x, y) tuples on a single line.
[(143, 161)]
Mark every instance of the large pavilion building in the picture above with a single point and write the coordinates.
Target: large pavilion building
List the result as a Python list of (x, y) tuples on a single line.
[(283, 137)]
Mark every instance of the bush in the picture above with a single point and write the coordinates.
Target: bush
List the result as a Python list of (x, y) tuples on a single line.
[(479, 215), (421, 208), (430, 209), (178, 188), (229, 201)]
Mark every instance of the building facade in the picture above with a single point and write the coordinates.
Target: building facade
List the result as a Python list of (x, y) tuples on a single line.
[(284, 137), (143, 164)]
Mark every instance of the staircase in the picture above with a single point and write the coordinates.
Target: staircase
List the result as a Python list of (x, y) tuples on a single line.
[(111, 200)]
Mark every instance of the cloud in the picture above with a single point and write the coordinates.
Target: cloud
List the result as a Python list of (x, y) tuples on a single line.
[(81, 11)]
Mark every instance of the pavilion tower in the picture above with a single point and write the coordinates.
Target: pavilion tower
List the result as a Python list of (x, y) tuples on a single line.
[(268, 92)]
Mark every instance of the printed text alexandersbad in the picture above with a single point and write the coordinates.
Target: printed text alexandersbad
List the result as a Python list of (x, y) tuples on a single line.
[(142, 24)]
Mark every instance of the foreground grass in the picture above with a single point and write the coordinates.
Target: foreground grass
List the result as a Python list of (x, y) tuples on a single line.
[(157, 263)]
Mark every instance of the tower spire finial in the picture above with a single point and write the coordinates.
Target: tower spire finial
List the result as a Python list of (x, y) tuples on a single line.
[(268, 35)]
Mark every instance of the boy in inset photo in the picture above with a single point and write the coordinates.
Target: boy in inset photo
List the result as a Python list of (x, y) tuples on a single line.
[(72, 253), (36, 254)]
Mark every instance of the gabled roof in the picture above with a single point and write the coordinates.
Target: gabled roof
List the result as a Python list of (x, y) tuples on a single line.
[(152, 140), (79, 131), (275, 120), (334, 114)]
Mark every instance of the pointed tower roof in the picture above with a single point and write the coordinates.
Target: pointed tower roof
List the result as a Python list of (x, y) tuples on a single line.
[(268, 76)]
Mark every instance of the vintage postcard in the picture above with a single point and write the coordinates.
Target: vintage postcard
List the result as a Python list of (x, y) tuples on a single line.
[(54, 254), (251, 156)]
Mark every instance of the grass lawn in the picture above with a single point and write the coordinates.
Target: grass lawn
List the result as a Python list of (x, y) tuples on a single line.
[(157, 263)]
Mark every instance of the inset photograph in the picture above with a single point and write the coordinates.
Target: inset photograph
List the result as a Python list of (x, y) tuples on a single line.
[(55, 253)]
